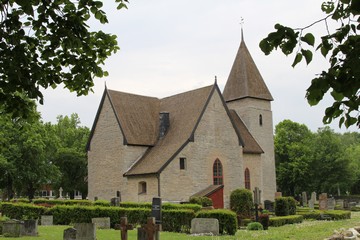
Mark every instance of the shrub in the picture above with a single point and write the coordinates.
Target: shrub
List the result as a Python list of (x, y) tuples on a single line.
[(22, 210), (281, 206), (203, 201), (62, 202), (165, 206), (264, 220), (227, 219), (292, 205), (241, 202), (177, 220), (280, 221), (254, 226), (333, 214), (102, 203)]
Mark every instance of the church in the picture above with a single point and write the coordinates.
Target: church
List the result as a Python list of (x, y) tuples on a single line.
[(203, 142)]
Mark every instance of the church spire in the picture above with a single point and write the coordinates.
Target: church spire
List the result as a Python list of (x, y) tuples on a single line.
[(245, 79)]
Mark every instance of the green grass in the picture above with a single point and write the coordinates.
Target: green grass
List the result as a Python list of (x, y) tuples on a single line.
[(309, 230)]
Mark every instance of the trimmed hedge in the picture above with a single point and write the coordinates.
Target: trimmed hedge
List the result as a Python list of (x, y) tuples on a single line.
[(280, 221), (333, 214), (292, 205), (227, 219), (203, 201), (165, 206), (281, 206), (254, 226), (22, 211), (241, 202), (177, 220)]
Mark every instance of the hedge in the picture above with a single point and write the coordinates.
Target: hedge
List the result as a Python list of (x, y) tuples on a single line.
[(280, 221), (281, 206), (177, 220), (165, 206), (227, 219), (22, 210), (333, 214)]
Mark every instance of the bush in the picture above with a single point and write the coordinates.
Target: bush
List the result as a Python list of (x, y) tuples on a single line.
[(281, 206), (227, 220), (280, 221), (241, 202), (102, 203), (22, 211), (165, 206), (292, 205), (332, 214), (254, 226), (203, 201), (177, 220), (264, 220), (62, 202)]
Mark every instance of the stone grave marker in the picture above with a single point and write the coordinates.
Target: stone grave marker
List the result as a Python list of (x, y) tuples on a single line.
[(85, 231), (11, 228), (156, 209), (149, 231), (47, 220), (115, 202), (124, 227), (269, 205), (311, 203), (340, 202), (313, 196), (69, 234), (278, 194), (304, 199), (323, 202), (331, 203), (29, 227), (205, 226), (101, 223)]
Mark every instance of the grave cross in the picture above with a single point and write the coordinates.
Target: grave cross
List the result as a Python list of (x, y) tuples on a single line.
[(151, 228), (124, 227)]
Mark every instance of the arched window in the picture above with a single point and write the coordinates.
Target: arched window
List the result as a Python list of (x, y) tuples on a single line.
[(142, 187), (247, 179), (260, 120), (217, 173)]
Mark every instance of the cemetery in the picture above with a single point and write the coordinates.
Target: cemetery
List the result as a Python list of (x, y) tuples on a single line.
[(82, 219)]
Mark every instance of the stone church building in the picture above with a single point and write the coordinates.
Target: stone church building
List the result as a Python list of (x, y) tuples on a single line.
[(197, 143)]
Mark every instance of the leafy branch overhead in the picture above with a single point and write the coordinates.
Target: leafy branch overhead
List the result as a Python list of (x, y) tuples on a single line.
[(342, 49), (46, 43)]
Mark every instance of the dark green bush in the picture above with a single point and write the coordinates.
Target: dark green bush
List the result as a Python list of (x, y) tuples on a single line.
[(280, 221), (62, 202), (241, 202), (165, 206), (281, 206), (203, 201), (333, 214), (254, 226), (264, 220), (177, 220), (22, 211), (102, 203), (292, 205), (227, 219)]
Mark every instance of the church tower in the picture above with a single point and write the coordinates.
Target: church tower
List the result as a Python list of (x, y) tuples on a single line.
[(246, 92)]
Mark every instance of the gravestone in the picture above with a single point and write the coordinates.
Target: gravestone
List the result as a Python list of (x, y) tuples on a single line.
[(149, 231), (61, 192), (205, 226), (85, 231), (269, 205), (278, 194), (124, 227), (115, 202), (323, 201), (340, 202), (101, 223), (29, 227), (156, 209), (313, 196), (47, 220), (331, 204), (11, 228), (304, 199), (69, 234)]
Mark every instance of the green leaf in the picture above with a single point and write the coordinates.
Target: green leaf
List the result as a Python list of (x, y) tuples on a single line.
[(265, 46), (297, 59), (341, 121), (308, 55), (337, 96), (309, 39)]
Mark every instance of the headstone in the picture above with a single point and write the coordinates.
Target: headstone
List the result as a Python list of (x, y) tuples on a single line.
[(311, 203), (323, 201), (331, 204), (118, 194), (85, 231), (156, 209), (205, 226), (95, 198), (149, 231), (124, 227), (304, 199), (69, 234), (278, 194), (12, 228), (257, 196), (101, 223), (61, 192), (115, 202), (269, 205), (340, 202), (47, 220), (29, 227), (313, 196)]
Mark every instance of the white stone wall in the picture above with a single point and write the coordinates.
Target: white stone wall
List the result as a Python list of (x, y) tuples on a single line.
[(109, 158), (249, 110), (215, 138), (254, 163), (133, 194)]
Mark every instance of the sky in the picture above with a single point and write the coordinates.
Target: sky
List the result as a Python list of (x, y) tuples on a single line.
[(168, 47)]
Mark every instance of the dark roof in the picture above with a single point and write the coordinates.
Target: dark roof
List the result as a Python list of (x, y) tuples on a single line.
[(249, 143), (245, 79), (208, 191)]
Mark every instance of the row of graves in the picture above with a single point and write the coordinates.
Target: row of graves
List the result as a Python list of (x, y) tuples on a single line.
[(87, 231)]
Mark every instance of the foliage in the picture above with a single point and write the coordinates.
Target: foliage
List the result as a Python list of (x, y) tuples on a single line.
[(164, 206), (177, 220), (46, 43), (227, 219), (203, 201), (342, 78), (333, 214), (254, 226), (62, 202), (22, 211), (281, 206), (283, 220), (264, 220), (292, 205), (241, 202)]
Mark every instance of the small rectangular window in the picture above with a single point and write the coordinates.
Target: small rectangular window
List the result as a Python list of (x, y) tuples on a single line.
[(182, 163)]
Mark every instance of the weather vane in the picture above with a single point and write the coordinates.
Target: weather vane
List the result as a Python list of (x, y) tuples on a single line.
[(241, 21)]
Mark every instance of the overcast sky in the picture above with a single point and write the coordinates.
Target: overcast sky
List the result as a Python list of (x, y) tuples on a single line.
[(169, 47)]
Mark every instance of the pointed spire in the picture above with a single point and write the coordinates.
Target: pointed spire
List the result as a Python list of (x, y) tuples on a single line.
[(245, 79), (215, 79), (242, 33)]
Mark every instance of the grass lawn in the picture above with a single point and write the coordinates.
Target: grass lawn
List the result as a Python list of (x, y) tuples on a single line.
[(309, 230)]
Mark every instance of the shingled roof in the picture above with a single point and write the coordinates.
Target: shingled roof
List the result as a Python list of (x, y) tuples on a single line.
[(245, 79)]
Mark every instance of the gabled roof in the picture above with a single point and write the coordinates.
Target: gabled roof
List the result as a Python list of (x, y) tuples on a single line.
[(250, 144), (208, 191), (245, 79)]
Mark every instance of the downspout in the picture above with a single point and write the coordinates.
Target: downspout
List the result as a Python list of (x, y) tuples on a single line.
[(158, 177)]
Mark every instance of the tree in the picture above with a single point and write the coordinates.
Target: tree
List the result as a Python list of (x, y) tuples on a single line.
[(342, 78), (46, 43)]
